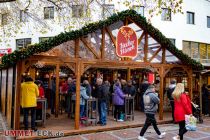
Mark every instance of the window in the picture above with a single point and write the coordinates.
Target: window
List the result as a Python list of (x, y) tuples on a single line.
[(24, 15), (139, 9), (173, 41), (22, 43), (4, 19), (42, 39), (108, 10), (208, 22), (77, 11), (166, 14), (48, 12), (197, 51), (190, 18)]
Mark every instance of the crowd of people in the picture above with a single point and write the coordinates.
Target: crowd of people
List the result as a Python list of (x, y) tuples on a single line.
[(113, 93)]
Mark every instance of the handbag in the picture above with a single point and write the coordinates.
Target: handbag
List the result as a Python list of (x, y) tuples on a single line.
[(190, 123)]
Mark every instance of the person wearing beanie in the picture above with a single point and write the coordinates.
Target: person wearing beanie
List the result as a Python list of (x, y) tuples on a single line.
[(151, 101)]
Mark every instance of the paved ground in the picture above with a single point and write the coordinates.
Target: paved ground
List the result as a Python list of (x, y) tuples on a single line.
[(203, 133)]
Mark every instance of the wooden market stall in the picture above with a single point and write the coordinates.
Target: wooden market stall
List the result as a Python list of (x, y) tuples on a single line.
[(93, 46)]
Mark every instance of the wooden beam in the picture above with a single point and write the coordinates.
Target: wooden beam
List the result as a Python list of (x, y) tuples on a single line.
[(126, 22), (141, 37), (88, 45), (57, 91), (17, 95), (161, 92), (163, 55), (111, 36), (128, 74), (77, 48), (33, 73), (103, 44), (190, 83), (155, 54), (77, 104), (146, 47)]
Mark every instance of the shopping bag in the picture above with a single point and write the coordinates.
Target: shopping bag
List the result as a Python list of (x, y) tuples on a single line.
[(190, 122)]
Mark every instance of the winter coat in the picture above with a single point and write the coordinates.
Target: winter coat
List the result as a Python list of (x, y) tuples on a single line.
[(119, 96), (29, 94), (170, 91), (205, 94), (151, 101), (182, 107), (83, 95), (101, 93), (143, 87), (131, 90)]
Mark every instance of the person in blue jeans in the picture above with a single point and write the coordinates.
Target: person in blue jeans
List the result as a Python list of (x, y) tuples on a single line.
[(102, 101)]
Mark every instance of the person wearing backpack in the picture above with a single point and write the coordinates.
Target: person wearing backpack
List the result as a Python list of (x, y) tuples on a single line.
[(151, 101)]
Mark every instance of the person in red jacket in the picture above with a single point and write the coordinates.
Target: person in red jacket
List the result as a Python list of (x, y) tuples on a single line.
[(182, 107)]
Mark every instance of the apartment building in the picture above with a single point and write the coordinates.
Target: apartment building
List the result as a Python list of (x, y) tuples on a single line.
[(189, 31)]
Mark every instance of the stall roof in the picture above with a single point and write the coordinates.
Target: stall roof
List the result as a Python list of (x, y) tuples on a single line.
[(156, 37)]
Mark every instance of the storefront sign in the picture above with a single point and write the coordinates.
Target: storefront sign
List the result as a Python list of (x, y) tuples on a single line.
[(5, 51), (127, 42)]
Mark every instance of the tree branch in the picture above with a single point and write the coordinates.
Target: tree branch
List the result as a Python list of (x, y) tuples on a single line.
[(54, 3)]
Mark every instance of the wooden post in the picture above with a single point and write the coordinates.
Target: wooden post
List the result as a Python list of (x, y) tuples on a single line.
[(33, 73), (103, 44), (114, 75), (146, 47), (17, 96), (77, 48), (77, 104), (200, 89), (57, 91), (161, 92), (190, 86), (128, 74), (164, 55)]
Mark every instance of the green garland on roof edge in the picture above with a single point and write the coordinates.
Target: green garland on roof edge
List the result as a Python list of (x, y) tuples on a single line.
[(17, 55)]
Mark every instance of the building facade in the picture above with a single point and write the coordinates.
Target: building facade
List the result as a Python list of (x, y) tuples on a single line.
[(189, 31)]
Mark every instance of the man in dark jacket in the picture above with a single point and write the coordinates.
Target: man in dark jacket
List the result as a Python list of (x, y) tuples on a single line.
[(169, 95), (151, 101), (102, 101)]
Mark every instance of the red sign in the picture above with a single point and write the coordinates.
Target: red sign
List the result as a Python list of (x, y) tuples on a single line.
[(5, 51), (151, 78), (127, 42)]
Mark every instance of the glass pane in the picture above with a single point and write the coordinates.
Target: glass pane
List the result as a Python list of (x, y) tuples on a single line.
[(203, 51), (194, 50), (139, 10), (208, 22), (208, 49), (186, 48), (46, 13), (108, 10), (166, 14)]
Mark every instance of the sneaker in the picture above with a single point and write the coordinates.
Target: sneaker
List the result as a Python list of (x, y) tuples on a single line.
[(141, 138), (176, 138), (120, 120), (162, 135), (207, 115)]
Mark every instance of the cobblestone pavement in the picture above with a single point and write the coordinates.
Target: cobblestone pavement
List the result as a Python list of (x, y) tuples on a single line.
[(3, 126), (203, 133)]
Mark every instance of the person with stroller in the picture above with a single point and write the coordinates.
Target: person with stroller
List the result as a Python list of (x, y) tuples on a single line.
[(182, 107), (169, 95), (151, 101), (205, 99)]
